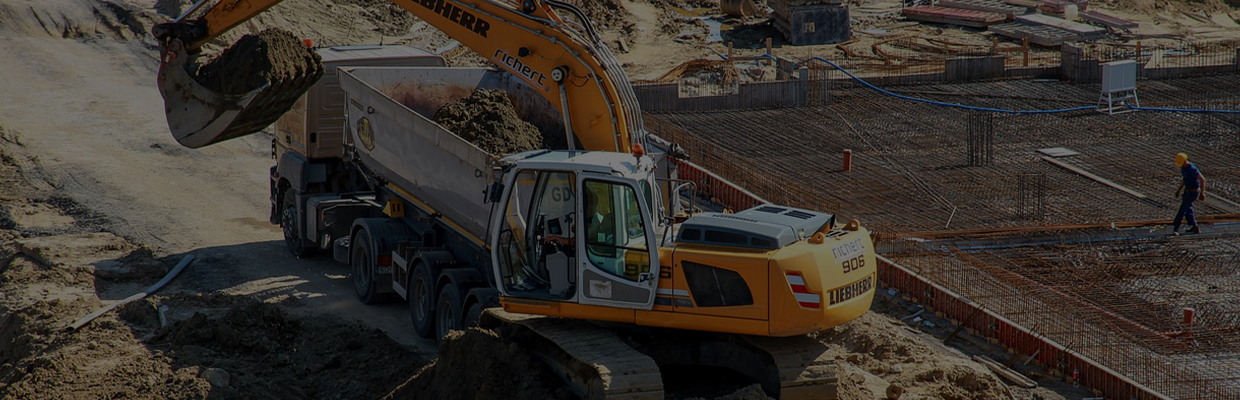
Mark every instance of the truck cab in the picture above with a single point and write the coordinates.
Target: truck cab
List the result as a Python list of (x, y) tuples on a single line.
[(308, 141)]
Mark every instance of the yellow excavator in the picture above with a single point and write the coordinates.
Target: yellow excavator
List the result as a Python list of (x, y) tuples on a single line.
[(591, 233)]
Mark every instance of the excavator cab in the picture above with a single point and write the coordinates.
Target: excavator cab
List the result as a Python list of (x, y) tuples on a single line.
[(570, 230)]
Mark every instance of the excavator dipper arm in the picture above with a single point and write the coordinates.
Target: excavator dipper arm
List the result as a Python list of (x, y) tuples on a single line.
[(564, 61)]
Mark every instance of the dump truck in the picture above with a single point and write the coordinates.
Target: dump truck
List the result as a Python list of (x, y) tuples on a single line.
[(592, 232)]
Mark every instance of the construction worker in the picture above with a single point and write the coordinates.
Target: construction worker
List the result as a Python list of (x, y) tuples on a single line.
[(1193, 188)]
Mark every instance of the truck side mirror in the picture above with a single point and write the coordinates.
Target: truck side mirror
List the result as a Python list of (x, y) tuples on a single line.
[(493, 193)]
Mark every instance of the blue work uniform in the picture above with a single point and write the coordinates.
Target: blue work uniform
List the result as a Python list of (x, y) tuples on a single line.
[(1192, 187)]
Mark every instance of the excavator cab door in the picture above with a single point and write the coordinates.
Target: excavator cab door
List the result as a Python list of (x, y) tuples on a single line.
[(531, 238), (616, 248)]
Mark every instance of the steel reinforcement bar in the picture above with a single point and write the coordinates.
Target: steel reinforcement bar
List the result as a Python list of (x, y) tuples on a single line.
[(1092, 374)]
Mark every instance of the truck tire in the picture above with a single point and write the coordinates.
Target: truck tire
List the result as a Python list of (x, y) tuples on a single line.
[(288, 223), (422, 300), (448, 312), (472, 315), (362, 259)]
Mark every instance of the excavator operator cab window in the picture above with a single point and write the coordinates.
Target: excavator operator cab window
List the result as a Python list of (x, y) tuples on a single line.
[(615, 232), (512, 245), (536, 243)]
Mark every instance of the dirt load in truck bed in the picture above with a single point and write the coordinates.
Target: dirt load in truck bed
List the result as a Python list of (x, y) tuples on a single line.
[(272, 55), (488, 120)]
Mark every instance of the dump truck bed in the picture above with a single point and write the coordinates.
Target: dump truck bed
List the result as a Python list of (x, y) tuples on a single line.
[(390, 124)]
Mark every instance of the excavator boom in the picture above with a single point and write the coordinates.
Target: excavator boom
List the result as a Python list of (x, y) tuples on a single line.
[(562, 60)]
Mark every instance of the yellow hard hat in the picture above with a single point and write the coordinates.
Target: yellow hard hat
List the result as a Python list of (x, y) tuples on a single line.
[(1180, 159)]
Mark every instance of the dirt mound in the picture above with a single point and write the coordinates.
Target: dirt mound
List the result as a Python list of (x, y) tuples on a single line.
[(478, 364), (488, 120), (751, 392), (253, 327), (604, 13), (243, 347), (877, 351), (272, 55), (259, 349), (389, 19), (39, 359)]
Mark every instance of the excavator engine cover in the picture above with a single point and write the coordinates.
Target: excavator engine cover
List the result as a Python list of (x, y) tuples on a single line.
[(199, 115)]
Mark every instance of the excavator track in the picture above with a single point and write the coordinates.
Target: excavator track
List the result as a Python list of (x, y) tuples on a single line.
[(596, 363), (805, 370)]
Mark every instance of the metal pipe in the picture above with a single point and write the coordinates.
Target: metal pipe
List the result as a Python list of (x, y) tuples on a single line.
[(139, 296), (568, 124)]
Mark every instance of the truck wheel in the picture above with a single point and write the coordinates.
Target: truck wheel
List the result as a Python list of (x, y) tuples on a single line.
[(288, 223), (422, 301), (448, 313), (363, 261), (472, 316)]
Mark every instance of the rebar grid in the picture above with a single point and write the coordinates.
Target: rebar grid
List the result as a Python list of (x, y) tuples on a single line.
[(1099, 308), (1110, 279), (1121, 304), (910, 170)]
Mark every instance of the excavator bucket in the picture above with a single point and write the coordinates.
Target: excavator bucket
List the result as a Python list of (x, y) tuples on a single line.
[(244, 90)]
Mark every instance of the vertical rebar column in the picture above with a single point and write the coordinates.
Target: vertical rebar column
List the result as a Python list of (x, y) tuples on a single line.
[(818, 86), (981, 138), (1031, 195), (1206, 125)]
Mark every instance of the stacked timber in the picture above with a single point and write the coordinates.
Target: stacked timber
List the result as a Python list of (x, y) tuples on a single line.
[(1084, 31), (1048, 31), (1029, 4), (994, 6), (1047, 36), (953, 16)]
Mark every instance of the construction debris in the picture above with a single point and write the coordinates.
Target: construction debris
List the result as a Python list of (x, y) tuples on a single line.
[(1082, 31), (1048, 36), (992, 6), (1005, 372)]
